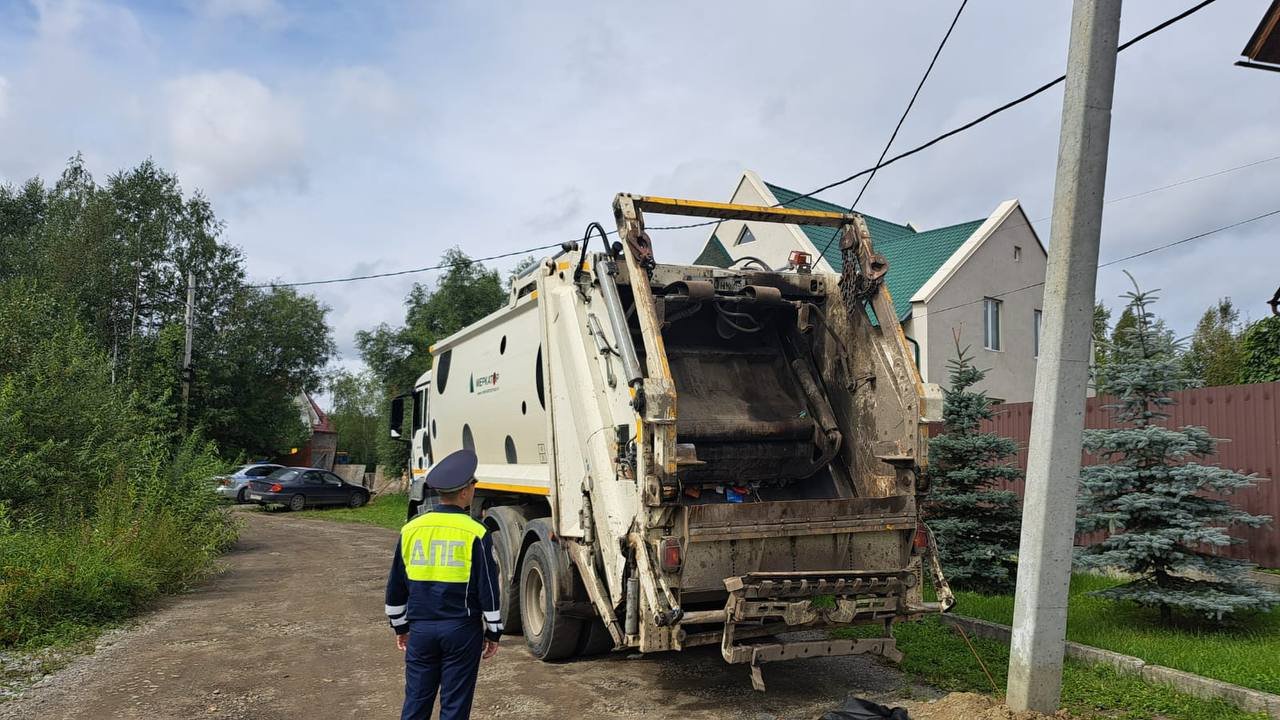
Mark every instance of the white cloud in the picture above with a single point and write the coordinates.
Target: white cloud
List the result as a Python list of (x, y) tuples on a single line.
[(367, 90), (228, 131), (269, 13), (66, 21), (4, 97), (437, 124)]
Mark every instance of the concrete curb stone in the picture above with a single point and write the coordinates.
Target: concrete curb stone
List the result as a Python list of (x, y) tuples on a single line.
[(1246, 699)]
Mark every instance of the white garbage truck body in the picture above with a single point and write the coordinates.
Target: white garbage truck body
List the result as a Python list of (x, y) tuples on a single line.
[(681, 455)]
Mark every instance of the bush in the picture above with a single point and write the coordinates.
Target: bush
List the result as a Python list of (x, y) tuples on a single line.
[(63, 583), (100, 509)]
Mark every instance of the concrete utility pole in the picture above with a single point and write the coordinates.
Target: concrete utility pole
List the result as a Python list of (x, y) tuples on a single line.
[(186, 352), (1057, 419)]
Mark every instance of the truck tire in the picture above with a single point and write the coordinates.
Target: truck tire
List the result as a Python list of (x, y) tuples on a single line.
[(549, 634), (596, 639), (509, 602)]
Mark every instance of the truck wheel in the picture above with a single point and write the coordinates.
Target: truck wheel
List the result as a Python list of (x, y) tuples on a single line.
[(596, 639), (508, 601), (550, 634)]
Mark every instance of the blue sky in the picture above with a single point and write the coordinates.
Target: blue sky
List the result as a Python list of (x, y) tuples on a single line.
[(354, 137)]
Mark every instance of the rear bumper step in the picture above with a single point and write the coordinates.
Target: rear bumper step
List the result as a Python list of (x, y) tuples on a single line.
[(757, 655), (798, 600)]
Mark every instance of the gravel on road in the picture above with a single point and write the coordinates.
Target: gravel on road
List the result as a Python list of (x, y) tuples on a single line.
[(293, 628)]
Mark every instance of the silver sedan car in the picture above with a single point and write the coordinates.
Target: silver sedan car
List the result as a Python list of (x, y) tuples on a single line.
[(234, 486)]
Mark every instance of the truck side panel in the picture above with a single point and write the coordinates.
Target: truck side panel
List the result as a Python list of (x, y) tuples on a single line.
[(492, 370)]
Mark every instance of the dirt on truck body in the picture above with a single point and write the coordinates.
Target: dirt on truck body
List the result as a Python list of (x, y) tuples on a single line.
[(674, 456)]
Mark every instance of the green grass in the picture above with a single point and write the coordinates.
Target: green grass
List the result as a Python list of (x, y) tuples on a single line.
[(1243, 652), (63, 585), (937, 654), (1272, 571), (386, 511)]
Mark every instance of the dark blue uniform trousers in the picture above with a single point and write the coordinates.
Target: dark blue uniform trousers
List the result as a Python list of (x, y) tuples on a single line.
[(443, 655)]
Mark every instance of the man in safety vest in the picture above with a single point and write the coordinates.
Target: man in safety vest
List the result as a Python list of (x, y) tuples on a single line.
[(442, 596)]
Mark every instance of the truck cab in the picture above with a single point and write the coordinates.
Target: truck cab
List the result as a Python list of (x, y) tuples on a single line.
[(418, 439)]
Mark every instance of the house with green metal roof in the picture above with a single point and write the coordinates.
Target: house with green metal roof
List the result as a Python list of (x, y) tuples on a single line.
[(976, 283)]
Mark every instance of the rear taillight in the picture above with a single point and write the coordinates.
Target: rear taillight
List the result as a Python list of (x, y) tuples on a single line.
[(276, 487), (669, 555), (921, 540)]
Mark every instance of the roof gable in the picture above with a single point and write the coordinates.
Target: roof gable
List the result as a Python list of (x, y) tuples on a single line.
[(913, 256), (714, 254)]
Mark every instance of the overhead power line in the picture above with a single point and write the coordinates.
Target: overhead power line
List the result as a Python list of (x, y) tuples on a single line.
[(907, 111), (976, 121), (1007, 227), (910, 103), (441, 266), (1012, 103), (1117, 261), (885, 163), (1178, 183)]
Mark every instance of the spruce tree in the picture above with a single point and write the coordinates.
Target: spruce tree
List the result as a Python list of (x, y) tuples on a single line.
[(1164, 510), (975, 523)]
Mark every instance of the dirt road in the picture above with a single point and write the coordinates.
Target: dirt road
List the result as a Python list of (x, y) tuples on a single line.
[(293, 628)]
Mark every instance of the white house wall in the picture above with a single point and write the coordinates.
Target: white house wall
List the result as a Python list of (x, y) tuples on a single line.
[(957, 306), (774, 241)]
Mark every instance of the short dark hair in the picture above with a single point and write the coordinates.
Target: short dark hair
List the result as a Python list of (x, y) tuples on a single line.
[(450, 495)]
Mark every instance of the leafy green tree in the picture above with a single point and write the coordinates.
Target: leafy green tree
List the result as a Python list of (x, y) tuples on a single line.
[(101, 508), (1101, 319), (528, 263), (357, 414), (1260, 346), (976, 523), (1163, 508), (272, 345), (1215, 356), (21, 213), (1120, 335), (116, 256)]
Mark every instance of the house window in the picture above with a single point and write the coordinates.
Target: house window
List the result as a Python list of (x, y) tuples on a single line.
[(745, 236), (991, 323), (1035, 331), (1017, 253)]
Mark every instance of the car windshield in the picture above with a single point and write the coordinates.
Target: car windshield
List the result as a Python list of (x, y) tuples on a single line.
[(284, 475), (260, 470)]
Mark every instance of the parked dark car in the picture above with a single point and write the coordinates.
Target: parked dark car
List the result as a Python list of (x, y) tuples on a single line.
[(298, 488)]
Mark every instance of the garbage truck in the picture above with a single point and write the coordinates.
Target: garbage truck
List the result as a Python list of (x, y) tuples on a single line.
[(683, 455)]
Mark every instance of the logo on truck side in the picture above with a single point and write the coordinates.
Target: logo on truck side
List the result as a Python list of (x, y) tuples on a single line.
[(484, 383)]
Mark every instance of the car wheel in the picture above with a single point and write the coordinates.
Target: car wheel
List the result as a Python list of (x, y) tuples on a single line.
[(549, 634), (356, 500), (297, 502), (240, 496)]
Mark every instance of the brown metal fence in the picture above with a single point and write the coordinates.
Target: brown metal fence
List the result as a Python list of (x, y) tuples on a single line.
[(1246, 415)]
